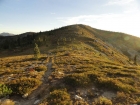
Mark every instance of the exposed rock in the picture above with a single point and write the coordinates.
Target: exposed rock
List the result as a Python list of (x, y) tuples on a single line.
[(109, 94), (36, 102), (78, 97), (25, 95), (17, 103)]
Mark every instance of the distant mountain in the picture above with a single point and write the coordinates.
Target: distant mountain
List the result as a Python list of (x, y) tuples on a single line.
[(6, 34)]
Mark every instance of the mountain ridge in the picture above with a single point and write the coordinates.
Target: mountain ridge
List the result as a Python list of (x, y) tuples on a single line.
[(6, 34), (126, 44)]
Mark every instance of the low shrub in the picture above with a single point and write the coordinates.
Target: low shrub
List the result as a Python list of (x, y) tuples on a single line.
[(77, 80), (67, 54), (124, 99), (114, 84), (24, 85), (4, 90), (7, 102), (80, 102), (93, 76), (102, 101), (41, 68), (59, 97)]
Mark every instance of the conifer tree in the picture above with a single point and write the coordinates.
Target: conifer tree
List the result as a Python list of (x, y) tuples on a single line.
[(36, 52)]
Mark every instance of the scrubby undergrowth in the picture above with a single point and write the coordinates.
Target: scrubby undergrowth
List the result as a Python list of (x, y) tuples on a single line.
[(74, 68)]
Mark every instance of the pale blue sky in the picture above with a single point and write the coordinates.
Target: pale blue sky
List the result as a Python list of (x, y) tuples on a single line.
[(19, 16)]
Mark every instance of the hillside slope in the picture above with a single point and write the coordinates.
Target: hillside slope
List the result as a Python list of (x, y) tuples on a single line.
[(76, 66), (127, 44), (118, 42)]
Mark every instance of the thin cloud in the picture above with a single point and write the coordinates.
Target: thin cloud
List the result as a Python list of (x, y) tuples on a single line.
[(86, 18), (119, 2), (127, 23), (52, 13), (128, 6)]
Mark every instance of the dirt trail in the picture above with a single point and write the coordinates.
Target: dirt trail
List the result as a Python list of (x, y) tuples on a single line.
[(41, 91), (49, 70)]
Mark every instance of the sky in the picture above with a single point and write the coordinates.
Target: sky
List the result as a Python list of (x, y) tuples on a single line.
[(19, 16)]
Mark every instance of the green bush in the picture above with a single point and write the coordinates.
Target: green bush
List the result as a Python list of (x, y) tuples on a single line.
[(41, 68), (59, 97), (80, 102), (102, 101), (124, 99), (7, 102), (4, 90), (93, 76), (24, 85), (77, 80), (114, 84)]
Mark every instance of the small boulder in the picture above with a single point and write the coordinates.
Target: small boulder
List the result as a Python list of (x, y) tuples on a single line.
[(25, 95), (36, 102), (78, 97)]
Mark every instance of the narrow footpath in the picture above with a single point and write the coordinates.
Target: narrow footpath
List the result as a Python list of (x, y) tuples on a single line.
[(42, 91)]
